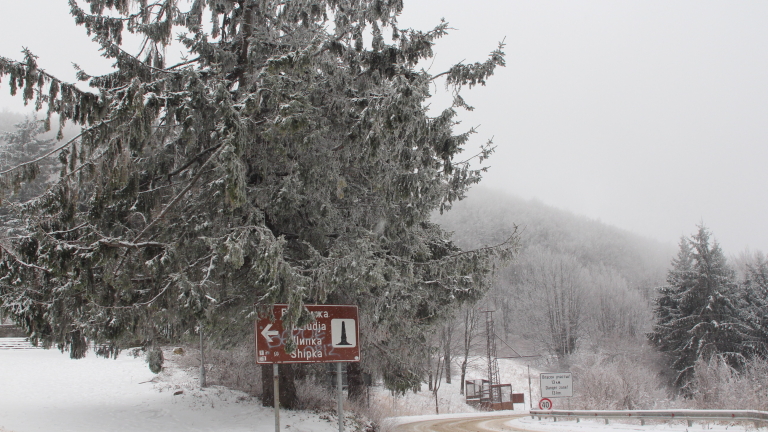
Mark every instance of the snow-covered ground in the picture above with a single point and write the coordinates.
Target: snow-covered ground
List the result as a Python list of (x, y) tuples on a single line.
[(588, 425), (600, 426), (449, 399), (43, 390)]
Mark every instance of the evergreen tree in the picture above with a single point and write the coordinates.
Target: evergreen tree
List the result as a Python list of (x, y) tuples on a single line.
[(289, 158), (755, 294), (24, 145), (696, 315), (665, 335)]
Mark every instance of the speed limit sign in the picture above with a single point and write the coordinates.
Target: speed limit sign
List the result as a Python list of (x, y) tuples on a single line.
[(545, 404)]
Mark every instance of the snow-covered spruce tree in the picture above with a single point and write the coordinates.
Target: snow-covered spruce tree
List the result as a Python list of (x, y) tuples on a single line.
[(18, 147), (755, 296), (288, 158), (23, 145), (666, 336), (697, 316)]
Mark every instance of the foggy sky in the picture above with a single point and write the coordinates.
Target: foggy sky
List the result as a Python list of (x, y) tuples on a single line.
[(648, 115)]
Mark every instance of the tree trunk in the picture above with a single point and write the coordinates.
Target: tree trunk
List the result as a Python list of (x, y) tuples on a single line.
[(429, 366), (437, 384), (447, 334), (470, 319), (267, 399), (355, 381), (203, 384), (288, 396)]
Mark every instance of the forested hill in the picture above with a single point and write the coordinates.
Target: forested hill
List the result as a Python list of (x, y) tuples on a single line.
[(575, 281), (488, 217), (8, 120)]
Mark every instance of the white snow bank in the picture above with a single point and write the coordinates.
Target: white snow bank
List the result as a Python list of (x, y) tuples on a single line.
[(547, 425), (44, 390), (414, 419)]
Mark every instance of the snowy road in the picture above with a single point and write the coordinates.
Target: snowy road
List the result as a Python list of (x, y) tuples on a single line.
[(463, 424), (515, 421)]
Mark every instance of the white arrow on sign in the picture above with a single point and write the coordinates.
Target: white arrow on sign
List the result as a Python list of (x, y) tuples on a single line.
[(268, 334)]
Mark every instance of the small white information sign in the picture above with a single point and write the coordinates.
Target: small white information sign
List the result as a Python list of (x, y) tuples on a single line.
[(556, 384)]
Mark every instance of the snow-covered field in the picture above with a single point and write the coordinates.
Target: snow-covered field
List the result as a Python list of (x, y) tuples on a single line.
[(43, 390)]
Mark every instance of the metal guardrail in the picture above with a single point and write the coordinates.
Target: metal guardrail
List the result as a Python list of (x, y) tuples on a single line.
[(15, 343), (758, 417)]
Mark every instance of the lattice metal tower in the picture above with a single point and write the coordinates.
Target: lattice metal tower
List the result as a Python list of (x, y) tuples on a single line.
[(493, 362)]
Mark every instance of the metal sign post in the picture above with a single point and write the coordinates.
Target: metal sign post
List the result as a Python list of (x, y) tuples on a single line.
[(340, 397), (530, 394), (276, 388)]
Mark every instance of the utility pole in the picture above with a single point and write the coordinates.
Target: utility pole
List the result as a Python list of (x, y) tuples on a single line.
[(493, 362)]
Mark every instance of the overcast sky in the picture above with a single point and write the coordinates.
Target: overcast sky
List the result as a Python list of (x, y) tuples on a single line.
[(648, 115)]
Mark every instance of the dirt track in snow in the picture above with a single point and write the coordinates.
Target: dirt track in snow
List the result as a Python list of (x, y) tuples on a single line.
[(476, 424)]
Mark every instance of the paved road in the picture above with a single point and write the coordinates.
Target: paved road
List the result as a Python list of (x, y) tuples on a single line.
[(465, 424)]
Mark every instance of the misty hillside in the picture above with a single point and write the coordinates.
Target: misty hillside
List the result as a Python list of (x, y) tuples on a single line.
[(575, 282), (8, 120), (488, 217)]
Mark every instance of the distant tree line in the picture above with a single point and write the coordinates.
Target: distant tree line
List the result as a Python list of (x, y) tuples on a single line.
[(560, 302)]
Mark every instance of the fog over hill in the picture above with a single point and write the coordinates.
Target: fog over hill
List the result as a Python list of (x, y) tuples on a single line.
[(489, 216), (9, 119), (575, 282)]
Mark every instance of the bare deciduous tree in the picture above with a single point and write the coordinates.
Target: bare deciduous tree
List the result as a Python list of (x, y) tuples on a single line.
[(469, 319)]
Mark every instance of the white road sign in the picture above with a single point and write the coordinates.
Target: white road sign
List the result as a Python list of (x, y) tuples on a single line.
[(556, 384)]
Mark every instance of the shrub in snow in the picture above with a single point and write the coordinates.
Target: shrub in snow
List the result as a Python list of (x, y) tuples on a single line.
[(155, 359), (717, 385), (233, 368), (314, 396), (621, 380)]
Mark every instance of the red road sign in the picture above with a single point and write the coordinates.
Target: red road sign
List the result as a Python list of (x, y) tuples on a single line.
[(545, 404), (332, 337)]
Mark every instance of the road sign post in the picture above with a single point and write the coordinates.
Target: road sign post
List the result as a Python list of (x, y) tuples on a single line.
[(340, 401), (331, 338), (530, 393), (276, 394)]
